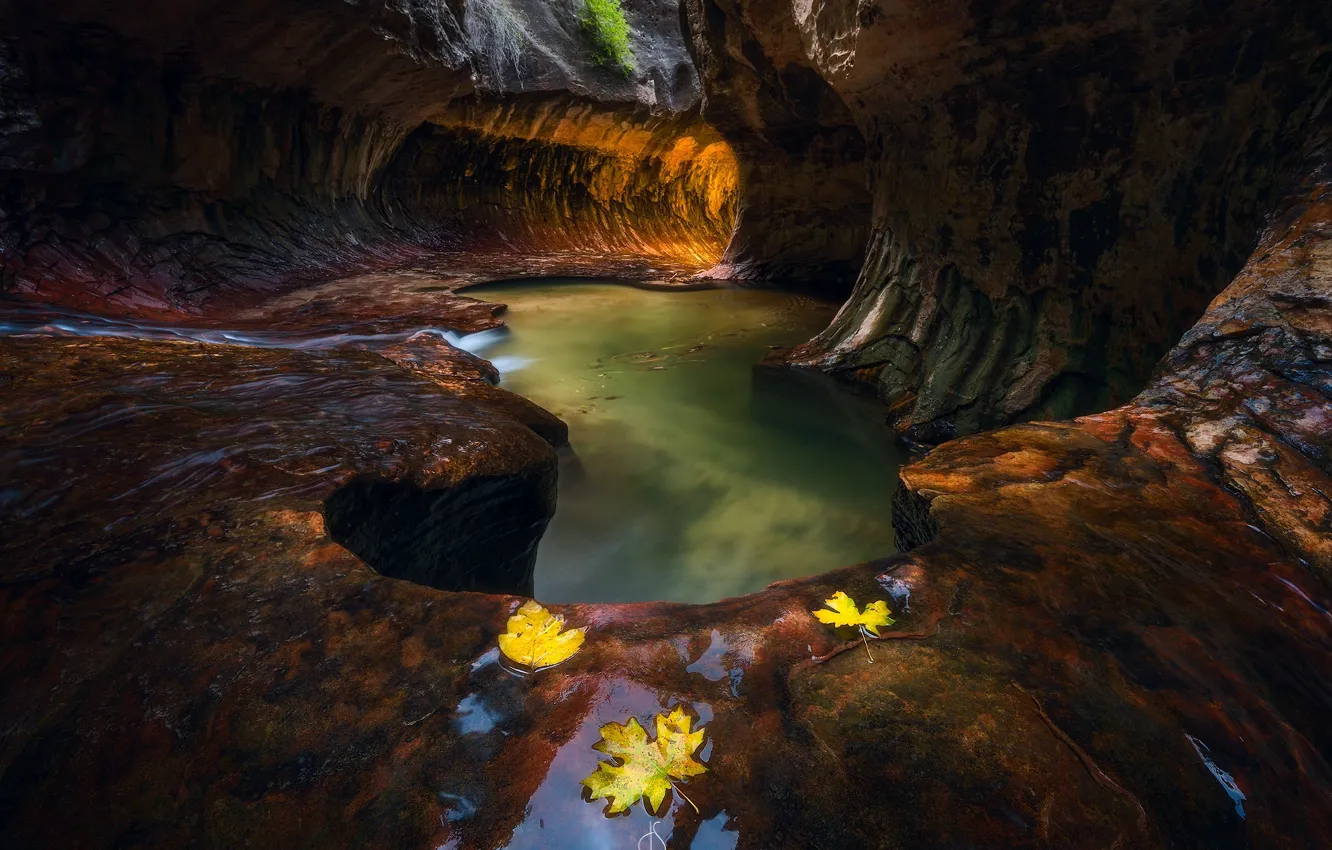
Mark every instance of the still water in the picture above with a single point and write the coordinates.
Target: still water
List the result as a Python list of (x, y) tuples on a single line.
[(692, 476)]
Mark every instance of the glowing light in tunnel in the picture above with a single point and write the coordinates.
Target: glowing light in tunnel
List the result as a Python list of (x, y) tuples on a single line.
[(564, 178)]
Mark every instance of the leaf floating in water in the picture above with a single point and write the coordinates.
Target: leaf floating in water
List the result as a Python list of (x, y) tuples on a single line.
[(537, 638), (646, 767), (845, 613)]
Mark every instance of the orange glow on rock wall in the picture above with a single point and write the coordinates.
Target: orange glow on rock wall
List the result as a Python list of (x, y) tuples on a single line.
[(542, 176)]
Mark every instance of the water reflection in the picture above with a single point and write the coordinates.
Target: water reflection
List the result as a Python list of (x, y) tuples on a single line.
[(1226, 781), (693, 476), (474, 717), (558, 817), (709, 664), (713, 835)]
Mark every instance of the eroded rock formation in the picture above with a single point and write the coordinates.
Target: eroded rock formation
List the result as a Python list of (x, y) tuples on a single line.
[(1111, 631), (543, 175), (1177, 547), (1057, 190), (804, 206), (1049, 199), (164, 160)]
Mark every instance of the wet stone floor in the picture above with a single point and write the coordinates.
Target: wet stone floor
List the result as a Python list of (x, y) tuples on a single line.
[(1096, 642)]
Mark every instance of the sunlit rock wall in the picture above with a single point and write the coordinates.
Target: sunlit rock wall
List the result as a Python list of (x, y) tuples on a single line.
[(803, 210), (1057, 189), (536, 174), (158, 157)]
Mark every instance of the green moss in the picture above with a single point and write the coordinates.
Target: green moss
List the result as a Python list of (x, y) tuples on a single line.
[(604, 24)]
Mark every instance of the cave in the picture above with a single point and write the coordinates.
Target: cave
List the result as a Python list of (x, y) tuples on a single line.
[(684, 423)]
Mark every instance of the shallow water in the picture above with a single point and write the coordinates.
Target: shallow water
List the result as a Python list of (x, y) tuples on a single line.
[(693, 476)]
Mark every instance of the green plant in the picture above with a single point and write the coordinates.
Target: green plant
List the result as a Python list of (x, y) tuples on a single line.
[(604, 24)]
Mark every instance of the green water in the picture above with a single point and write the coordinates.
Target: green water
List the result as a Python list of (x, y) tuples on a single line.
[(692, 476)]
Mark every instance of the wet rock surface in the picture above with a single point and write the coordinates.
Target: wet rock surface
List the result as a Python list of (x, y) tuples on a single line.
[(1054, 194), (1176, 548), (150, 489), (1115, 631)]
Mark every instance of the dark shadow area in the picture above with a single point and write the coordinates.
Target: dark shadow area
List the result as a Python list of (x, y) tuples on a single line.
[(481, 535), (913, 524)]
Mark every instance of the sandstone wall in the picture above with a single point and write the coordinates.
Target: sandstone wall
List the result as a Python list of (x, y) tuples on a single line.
[(1033, 202), (538, 173), (162, 158), (1057, 189)]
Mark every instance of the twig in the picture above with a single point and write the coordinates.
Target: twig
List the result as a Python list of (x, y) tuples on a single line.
[(677, 790), (421, 718), (1091, 767), (932, 628), (649, 835)]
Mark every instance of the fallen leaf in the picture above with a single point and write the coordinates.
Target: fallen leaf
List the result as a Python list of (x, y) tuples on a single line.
[(678, 744), (537, 638), (845, 613), (645, 767)]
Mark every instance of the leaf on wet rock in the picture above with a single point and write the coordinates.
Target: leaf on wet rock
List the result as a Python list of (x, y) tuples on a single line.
[(536, 638), (845, 613), (646, 767)]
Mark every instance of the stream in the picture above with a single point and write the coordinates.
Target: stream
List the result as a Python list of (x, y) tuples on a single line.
[(693, 475)]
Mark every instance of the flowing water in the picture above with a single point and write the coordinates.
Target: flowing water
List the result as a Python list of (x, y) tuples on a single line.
[(692, 475)]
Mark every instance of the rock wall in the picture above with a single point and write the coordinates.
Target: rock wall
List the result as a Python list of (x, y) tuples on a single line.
[(1178, 549), (1248, 388), (1058, 190), (159, 159), (1033, 203), (535, 173), (804, 208)]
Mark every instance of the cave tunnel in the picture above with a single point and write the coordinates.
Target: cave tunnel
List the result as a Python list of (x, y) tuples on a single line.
[(698, 423)]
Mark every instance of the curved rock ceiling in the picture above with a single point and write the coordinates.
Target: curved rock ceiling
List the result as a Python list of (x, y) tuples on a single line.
[(159, 161)]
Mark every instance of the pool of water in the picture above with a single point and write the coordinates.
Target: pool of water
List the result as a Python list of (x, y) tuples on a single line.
[(692, 475)]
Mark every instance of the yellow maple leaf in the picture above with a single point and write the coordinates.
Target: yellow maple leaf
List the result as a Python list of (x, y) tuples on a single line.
[(646, 767), (678, 744), (845, 613), (537, 638)]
